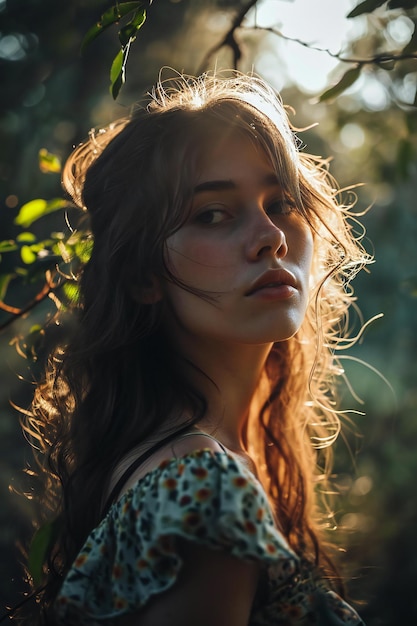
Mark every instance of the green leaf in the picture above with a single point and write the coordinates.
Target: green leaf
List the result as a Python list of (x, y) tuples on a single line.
[(127, 34), (83, 250), (42, 541), (8, 246), (4, 283), (28, 255), (116, 67), (366, 7), (402, 4), (346, 81), (72, 291), (117, 73), (48, 162), (33, 210), (26, 237), (111, 16), (370, 5)]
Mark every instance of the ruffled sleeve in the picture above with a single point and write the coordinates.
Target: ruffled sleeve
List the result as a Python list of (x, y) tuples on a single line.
[(205, 497)]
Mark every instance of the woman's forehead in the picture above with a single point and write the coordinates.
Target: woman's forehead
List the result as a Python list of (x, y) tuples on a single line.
[(220, 148)]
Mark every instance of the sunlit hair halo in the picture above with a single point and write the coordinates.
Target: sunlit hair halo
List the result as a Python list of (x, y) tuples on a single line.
[(102, 392)]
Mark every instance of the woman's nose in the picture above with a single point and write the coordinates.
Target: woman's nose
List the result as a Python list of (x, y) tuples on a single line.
[(266, 238)]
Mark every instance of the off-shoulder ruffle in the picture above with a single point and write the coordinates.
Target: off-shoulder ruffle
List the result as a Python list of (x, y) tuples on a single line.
[(205, 497)]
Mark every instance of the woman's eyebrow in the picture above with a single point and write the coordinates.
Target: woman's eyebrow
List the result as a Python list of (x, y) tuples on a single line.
[(215, 185), (224, 185)]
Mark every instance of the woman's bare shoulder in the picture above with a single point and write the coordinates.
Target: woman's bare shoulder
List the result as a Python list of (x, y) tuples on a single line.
[(185, 444)]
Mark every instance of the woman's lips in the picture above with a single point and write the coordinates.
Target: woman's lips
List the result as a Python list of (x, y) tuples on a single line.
[(279, 281)]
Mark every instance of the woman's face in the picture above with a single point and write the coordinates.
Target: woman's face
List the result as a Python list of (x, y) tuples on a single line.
[(246, 246)]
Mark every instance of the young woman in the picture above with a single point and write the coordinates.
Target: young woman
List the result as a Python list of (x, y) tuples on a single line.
[(184, 426)]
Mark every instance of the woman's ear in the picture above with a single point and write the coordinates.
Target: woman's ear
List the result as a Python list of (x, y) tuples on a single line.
[(150, 292)]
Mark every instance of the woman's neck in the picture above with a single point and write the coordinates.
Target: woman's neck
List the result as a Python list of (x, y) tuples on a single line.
[(228, 377)]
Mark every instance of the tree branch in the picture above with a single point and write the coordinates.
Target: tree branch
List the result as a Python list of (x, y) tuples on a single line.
[(383, 57), (229, 39), (46, 290)]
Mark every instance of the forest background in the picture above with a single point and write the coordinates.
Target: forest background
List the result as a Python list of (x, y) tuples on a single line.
[(349, 65)]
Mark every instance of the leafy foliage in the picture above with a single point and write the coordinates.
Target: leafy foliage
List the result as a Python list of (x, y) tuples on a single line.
[(44, 537), (112, 16), (368, 6), (35, 209), (347, 80), (127, 35), (49, 163)]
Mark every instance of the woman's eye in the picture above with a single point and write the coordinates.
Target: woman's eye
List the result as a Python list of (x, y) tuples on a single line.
[(211, 216), (281, 206)]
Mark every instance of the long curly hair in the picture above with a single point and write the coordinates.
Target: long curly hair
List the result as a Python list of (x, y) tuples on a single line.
[(114, 383)]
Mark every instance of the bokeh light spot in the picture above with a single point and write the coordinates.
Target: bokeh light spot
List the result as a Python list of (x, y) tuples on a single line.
[(12, 201), (352, 136)]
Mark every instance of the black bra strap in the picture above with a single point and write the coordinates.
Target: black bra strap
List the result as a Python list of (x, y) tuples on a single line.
[(137, 463)]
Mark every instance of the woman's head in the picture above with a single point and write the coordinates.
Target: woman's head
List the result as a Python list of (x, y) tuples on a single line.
[(137, 177)]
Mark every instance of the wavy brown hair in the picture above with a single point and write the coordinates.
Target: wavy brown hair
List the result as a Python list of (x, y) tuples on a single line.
[(114, 382)]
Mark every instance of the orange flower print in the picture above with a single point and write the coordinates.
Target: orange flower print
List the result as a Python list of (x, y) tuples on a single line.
[(202, 494), (184, 500), (126, 507), (170, 483), (142, 564), (80, 560), (181, 468), (260, 513), (271, 548), (250, 527), (192, 519), (200, 472), (240, 482)]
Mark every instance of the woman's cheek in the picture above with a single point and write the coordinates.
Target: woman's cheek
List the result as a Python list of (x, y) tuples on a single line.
[(196, 258)]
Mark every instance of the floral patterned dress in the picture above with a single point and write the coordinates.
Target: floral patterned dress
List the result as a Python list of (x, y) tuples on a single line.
[(208, 498)]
